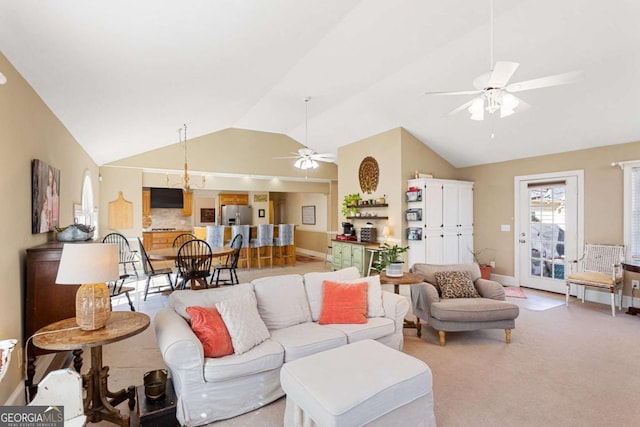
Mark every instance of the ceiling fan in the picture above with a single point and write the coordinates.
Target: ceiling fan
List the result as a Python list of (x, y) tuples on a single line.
[(306, 157), (494, 92)]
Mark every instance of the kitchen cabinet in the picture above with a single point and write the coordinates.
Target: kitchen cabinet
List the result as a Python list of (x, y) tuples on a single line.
[(146, 202), (187, 203), (439, 221), (160, 239), (351, 254), (233, 199)]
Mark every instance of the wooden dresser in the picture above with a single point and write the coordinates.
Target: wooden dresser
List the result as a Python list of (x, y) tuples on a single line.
[(44, 301)]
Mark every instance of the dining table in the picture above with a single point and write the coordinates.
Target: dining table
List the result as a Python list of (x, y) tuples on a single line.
[(171, 254)]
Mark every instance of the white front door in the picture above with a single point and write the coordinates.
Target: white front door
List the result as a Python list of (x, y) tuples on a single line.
[(547, 230)]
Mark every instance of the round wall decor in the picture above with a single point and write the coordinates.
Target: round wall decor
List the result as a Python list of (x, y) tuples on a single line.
[(369, 174)]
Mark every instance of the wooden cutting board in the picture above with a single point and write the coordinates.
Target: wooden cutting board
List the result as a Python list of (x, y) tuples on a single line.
[(120, 213)]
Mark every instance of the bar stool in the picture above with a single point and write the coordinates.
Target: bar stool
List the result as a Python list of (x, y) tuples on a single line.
[(245, 252), (329, 250), (263, 244), (373, 260), (284, 243), (215, 237)]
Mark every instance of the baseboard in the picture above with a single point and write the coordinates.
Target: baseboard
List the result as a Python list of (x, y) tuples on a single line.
[(592, 295), (17, 398), (311, 253)]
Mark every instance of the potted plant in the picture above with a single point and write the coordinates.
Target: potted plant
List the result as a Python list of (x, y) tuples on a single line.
[(350, 204), (485, 269), (389, 258)]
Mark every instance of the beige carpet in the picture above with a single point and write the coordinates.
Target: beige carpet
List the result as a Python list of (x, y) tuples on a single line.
[(566, 366)]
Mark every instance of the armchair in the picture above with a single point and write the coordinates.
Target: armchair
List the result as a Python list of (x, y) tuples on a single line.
[(490, 311), (601, 268)]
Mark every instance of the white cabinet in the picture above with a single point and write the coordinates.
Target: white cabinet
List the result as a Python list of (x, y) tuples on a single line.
[(443, 233)]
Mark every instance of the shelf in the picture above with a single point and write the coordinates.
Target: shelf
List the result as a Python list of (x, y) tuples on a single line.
[(382, 205), (368, 217)]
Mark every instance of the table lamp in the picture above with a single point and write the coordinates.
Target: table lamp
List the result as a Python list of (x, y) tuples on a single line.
[(90, 265)]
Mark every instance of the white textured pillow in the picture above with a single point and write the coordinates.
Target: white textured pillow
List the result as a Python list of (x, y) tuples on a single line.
[(374, 295), (282, 301), (313, 285), (241, 317)]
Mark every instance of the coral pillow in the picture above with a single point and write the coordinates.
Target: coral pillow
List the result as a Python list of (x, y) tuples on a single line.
[(342, 303), (208, 326)]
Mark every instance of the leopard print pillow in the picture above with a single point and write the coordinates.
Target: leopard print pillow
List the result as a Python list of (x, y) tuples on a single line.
[(456, 284)]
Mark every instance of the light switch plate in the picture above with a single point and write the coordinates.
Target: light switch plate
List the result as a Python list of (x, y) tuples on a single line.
[(505, 227)]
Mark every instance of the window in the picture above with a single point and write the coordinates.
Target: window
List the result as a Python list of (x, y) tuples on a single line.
[(632, 209)]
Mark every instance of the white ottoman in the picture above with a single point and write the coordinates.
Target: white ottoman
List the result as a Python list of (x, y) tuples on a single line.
[(361, 383)]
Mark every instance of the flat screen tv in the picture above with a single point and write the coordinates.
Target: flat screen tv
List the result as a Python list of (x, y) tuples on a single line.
[(166, 198)]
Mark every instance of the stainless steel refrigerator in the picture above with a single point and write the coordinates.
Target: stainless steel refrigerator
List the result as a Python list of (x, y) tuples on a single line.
[(236, 215)]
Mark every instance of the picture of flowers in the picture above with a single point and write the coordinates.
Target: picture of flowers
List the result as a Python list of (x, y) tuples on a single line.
[(45, 197)]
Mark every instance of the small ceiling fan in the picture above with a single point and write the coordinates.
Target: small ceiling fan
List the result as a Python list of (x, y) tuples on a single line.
[(306, 157), (494, 92)]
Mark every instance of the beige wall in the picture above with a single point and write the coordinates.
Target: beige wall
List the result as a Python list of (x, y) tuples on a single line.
[(29, 130), (399, 154), (603, 196)]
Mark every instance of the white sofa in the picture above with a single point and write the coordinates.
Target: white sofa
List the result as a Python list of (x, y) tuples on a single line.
[(211, 389)]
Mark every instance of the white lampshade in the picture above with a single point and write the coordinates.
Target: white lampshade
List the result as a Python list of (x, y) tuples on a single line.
[(90, 265)]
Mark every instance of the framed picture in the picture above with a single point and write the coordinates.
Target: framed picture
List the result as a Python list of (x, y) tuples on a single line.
[(414, 233), (45, 197), (414, 214), (207, 214), (260, 198), (309, 215), (261, 213)]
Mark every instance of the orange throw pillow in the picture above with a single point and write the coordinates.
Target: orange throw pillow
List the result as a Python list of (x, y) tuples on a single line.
[(342, 303), (210, 329)]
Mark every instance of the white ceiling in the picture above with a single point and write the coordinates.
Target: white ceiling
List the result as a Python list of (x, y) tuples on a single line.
[(124, 75)]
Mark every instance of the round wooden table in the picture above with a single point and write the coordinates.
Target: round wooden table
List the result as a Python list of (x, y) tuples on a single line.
[(168, 254), (405, 279), (99, 403)]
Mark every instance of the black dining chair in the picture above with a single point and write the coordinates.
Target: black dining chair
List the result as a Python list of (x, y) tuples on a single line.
[(126, 256), (183, 238), (151, 272), (231, 264), (194, 263)]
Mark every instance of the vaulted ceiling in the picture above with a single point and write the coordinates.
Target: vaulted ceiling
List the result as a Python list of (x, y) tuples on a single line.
[(123, 75)]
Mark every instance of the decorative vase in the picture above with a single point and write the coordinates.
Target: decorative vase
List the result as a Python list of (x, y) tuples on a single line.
[(394, 269)]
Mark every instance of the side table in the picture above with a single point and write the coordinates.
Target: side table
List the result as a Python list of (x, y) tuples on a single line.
[(405, 279), (99, 403), (634, 267)]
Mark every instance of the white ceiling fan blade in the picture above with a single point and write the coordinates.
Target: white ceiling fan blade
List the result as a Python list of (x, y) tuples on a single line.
[(502, 73), (462, 107), (555, 80), (323, 159), (460, 92)]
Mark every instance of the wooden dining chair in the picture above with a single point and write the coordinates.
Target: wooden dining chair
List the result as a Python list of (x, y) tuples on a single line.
[(194, 263), (182, 238), (126, 256), (230, 264), (151, 272)]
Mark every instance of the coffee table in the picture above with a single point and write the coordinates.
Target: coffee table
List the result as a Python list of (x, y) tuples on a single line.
[(405, 279), (99, 403)]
